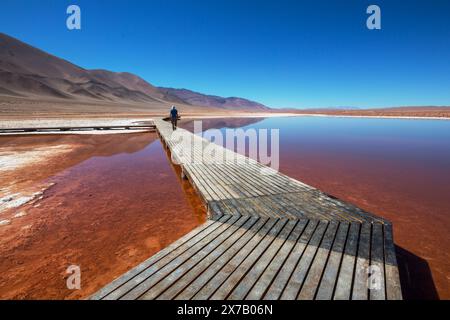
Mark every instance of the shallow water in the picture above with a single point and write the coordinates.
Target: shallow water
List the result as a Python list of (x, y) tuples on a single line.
[(398, 169), (116, 200)]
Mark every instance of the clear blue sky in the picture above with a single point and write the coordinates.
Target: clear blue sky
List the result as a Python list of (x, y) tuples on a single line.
[(281, 53)]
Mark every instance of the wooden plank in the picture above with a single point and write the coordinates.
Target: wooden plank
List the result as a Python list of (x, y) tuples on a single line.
[(311, 283), (235, 277), (176, 286), (233, 183), (263, 283), (229, 208), (279, 206), (220, 181), (239, 180), (276, 181), (295, 282), (393, 288), (377, 290), (267, 208), (146, 272), (344, 282), (243, 207), (303, 208), (214, 268), (188, 265), (214, 210), (328, 282), (160, 270), (202, 185), (255, 180), (202, 229), (247, 282), (276, 288), (207, 290), (360, 288)]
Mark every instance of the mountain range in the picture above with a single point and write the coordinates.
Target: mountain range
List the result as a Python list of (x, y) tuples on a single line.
[(28, 72)]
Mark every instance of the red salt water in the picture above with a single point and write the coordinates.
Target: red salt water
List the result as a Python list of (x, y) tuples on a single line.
[(398, 169), (117, 200)]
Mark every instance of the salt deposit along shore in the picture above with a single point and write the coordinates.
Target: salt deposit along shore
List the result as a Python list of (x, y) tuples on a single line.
[(116, 120)]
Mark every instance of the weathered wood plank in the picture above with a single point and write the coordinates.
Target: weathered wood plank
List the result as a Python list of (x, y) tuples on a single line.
[(175, 287), (202, 229), (213, 269), (263, 283), (211, 287), (235, 277), (188, 266), (329, 278), (312, 280), (295, 282), (157, 272), (360, 288), (154, 267), (393, 288), (376, 277), (276, 288), (246, 283), (343, 289)]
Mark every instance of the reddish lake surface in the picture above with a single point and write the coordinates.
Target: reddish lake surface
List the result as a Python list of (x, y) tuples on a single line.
[(115, 202), (112, 201), (398, 169)]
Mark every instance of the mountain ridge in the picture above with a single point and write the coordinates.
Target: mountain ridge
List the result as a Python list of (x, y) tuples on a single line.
[(26, 71), (205, 100)]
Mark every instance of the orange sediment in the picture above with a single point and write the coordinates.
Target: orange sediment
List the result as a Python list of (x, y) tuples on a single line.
[(115, 201)]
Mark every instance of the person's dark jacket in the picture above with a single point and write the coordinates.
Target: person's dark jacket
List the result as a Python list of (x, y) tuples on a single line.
[(174, 113)]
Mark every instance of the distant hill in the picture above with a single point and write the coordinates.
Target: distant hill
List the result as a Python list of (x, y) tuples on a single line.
[(404, 111), (331, 108), (26, 71), (199, 99)]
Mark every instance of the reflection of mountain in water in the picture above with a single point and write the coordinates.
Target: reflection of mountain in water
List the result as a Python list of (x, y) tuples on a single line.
[(219, 123)]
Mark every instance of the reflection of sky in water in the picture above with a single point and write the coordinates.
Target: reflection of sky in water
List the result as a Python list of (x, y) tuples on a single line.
[(411, 140)]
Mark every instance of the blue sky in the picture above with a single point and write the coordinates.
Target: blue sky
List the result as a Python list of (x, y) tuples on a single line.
[(281, 53)]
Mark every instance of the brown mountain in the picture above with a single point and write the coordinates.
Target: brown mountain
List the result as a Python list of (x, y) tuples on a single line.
[(199, 99), (26, 71)]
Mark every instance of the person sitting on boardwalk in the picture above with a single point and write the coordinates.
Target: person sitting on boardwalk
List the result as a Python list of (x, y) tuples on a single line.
[(174, 117)]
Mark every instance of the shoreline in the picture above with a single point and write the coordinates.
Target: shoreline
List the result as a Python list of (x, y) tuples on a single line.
[(130, 118), (377, 117), (324, 115), (80, 132), (36, 123)]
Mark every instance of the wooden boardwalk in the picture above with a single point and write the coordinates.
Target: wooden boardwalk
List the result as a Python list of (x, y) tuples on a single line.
[(149, 127), (268, 237)]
